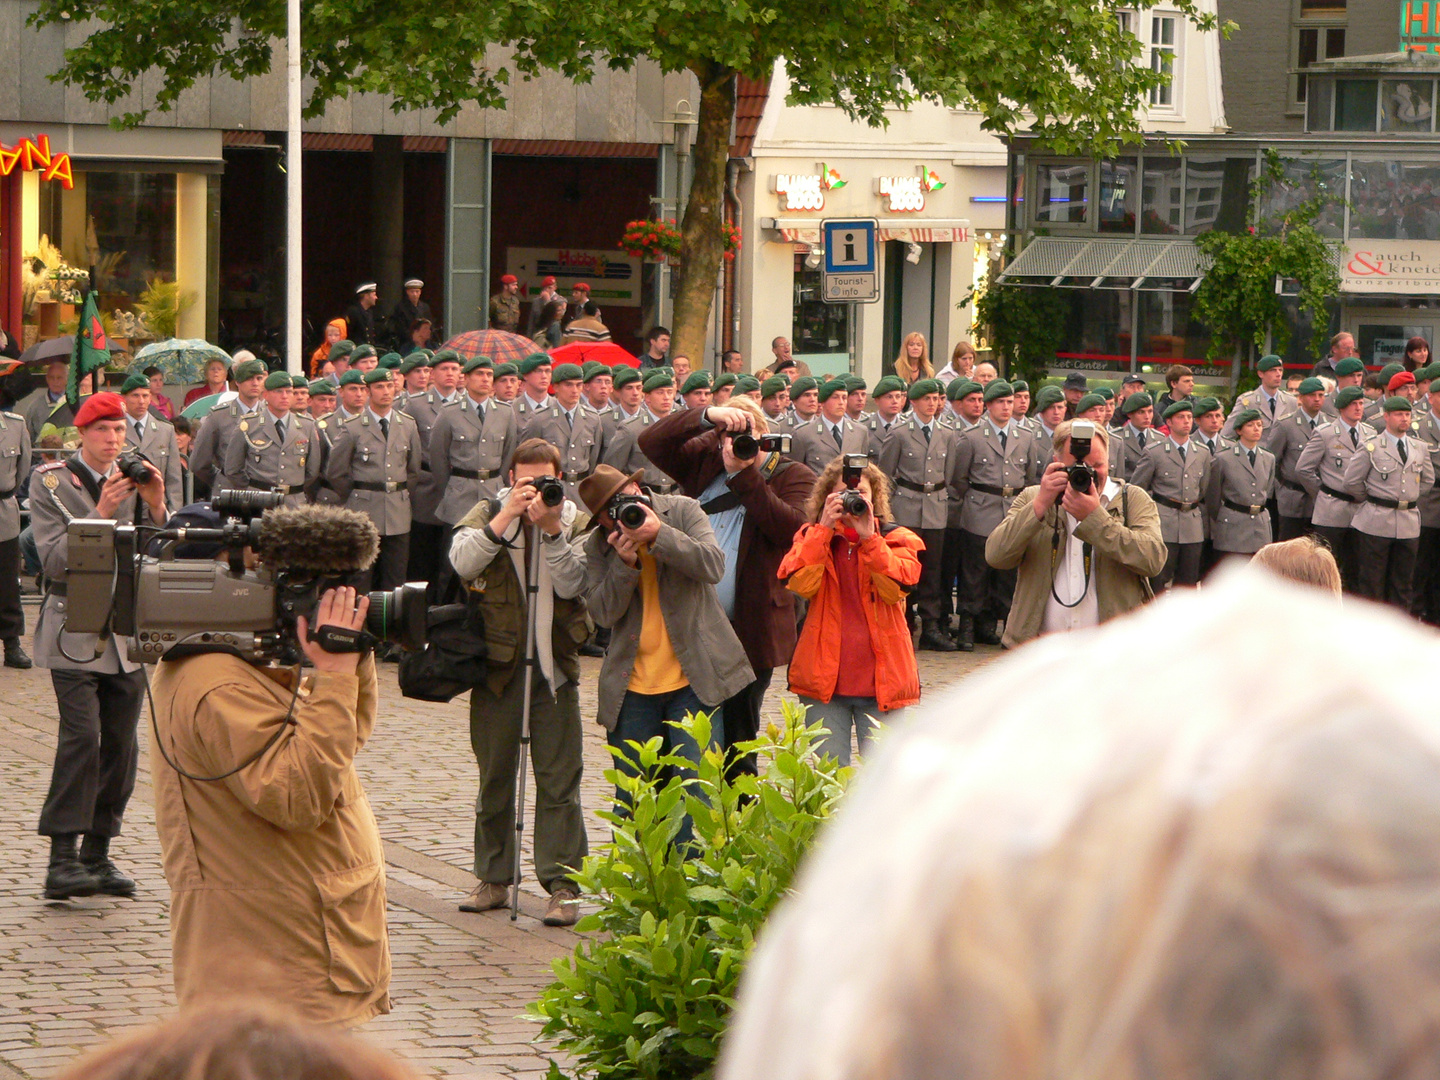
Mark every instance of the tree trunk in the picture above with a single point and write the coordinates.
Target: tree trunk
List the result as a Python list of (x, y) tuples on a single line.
[(702, 243)]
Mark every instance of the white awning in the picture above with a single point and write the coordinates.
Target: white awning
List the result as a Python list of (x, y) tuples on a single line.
[(1110, 263)]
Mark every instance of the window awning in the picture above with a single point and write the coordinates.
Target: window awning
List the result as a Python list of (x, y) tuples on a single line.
[(1074, 263), (918, 230)]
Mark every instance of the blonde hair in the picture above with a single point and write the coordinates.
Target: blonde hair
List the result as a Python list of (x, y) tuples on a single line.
[(923, 369), (752, 408), (830, 476), (1061, 440), (1304, 559)]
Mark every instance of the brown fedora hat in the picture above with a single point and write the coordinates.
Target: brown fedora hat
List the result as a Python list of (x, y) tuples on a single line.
[(600, 487)]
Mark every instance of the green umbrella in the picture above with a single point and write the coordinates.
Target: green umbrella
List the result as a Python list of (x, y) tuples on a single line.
[(200, 406), (182, 360)]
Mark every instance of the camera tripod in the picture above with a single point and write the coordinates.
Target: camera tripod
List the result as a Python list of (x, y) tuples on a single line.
[(528, 667)]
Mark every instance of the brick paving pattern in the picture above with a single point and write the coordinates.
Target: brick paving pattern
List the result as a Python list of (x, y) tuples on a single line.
[(74, 974)]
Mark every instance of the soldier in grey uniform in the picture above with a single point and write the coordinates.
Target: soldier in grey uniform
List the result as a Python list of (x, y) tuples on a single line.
[(1287, 442), (994, 461), (627, 397), (207, 453), (353, 396), (599, 384), (1209, 419), (804, 405), (322, 399), (471, 443), (1321, 469), (153, 436), (1138, 433), (1050, 409), (695, 390), (1241, 481), (831, 433), (574, 431), (725, 386), (1094, 408), (918, 460), (1268, 399), (889, 402), (962, 412), (429, 536), (1348, 372), (535, 372), (98, 696), (374, 465), (1173, 470), (1426, 427), (775, 401), (14, 468), (966, 406), (276, 450), (622, 451), (1386, 477)]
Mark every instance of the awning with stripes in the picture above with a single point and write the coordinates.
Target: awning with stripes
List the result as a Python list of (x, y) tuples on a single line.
[(1076, 263)]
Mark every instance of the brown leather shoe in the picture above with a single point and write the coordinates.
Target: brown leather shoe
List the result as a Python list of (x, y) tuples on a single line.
[(563, 908), (486, 896)]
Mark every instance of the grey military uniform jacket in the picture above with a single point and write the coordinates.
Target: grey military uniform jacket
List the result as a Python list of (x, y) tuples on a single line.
[(160, 448), (388, 468), (1285, 404), (1428, 430), (1287, 442), (879, 432), (980, 460), (1321, 469), (1234, 480), (1131, 451), (327, 428), (814, 447), (1164, 475), (920, 472), (623, 452), (14, 467), (1376, 471), (425, 499), (459, 441), (580, 445), (207, 455), (257, 458)]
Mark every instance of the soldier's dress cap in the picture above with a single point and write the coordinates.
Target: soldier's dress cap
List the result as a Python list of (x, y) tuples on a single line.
[(1135, 402), (477, 362), (1348, 396), (658, 380), (566, 373), (697, 380), (376, 375), (1048, 396), (625, 375), (920, 387), (1351, 365), (888, 385), (1311, 385), (803, 385), (960, 388), (248, 369), (998, 388), (1246, 416), (533, 361), (1398, 404), (1270, 360), (1183, 405), (279, 380), (136, 381)]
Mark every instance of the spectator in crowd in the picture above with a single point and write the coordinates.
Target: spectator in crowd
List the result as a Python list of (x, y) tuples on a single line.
[(579, 297), (551, 329), (543, 296), (783, 358), (961, 364), (36, 407), (732, 362), (657, 345), (586, 326), (1306, 559), (335, 331), (1417, 354), (854, 662), (360, 317), (986, 373), (1179, 386), (217, 376), (913, 363), (160, 402), (409, 312), (1342, 346)]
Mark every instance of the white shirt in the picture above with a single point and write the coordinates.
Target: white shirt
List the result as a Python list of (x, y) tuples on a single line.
[(1070, 582)]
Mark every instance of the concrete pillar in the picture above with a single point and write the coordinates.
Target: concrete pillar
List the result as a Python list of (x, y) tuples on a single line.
[(192, 243), (387, 220)]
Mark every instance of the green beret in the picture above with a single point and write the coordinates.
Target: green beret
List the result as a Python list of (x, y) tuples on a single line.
[(1351, 365), (477, 362), (746, 384), (625, 375), (1245, 416), (658, 380), (855, 382), (697, 380), (1183, 405), (376, 375), (771, 386), (137, 381), (1423, 374), (299, 382), (390, 361), (501, 370), (1089, 401), (960, 388), (888, 385), (1348, 396), (920, 387), (1310, 386), (425, 354), (566, 373), (1136, 401), (322, 387), (361, 352), (724, 379), (1398, 404), (353, 378), (248, 369), (998, 388), (445, 356), (833, 387), (1050, 395), (1020, 386), (593, 369), (803, 385), (410, 363), (278, 380), (1270, 360), (1207, 405), (341, 348), (1389, 371), (531, 362), (1106, 393)]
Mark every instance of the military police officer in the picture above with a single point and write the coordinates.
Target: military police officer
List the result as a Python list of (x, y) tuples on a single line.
[(276, 450)]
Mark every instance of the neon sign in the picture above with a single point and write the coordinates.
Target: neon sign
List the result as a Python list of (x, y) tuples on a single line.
[(34, 155)]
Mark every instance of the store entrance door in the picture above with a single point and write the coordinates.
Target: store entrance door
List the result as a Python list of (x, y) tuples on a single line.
[(914, 298), (1381, 334)]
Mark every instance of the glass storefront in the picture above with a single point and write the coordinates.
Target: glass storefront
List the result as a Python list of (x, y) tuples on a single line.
[(1392, 200), (821, 331)]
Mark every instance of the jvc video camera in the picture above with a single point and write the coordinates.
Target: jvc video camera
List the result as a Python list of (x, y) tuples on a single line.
[(127, 581), (851, 469), (1082, 436), (746, 446)]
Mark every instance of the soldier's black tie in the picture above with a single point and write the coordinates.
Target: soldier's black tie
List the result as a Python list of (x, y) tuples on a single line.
[(1404, 454), (1252, 459), (384, 428), (1003, 442), (280, 427), (836, 432), (1355, 438), (1272, 407), (1182, 454), (926, 429)]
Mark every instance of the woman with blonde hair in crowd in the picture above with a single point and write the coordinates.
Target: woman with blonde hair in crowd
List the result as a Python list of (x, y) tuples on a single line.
[(961, 365), (1304, 559), (914, 360)]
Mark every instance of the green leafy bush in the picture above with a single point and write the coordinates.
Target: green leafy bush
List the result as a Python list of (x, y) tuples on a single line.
[(651, 994)]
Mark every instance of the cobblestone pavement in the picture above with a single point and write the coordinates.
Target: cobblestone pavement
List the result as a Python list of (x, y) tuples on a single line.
[(74, 974)]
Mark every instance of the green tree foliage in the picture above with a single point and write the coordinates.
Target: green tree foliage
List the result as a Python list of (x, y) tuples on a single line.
[(1026, 326), (651, 994)]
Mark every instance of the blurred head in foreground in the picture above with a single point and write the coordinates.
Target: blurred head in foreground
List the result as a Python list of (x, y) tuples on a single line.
[(1304, 559), (236, 1042), (1032, 881)]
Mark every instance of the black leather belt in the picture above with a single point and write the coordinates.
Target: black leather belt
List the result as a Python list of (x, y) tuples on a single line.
[(1292, 485), (370, 485), (475, 474), (991, 489), (1175, 504), (1341, 495), (1242, 509), (6, 494), (924, 489), (284, 489), (1391, 504), (55, 588), (575, 477), (666, 487)]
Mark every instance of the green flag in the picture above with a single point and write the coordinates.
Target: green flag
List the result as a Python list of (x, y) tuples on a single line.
[(92, 351)]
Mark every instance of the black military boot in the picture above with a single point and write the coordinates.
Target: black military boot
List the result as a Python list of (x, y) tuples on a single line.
[(67, 876), (95, 857), (935, 639), (15, 656), (965, 634), (987, 632)]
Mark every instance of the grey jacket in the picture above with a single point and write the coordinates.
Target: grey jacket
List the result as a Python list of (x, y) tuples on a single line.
[(1285, 404), (1234, 480), (256, 458), (1287, 442), (580, 446), (689, 564), (1427, 430), (207, 455), (424, 409), (362, 455), (1322, 465), (1376, 471), (907, 459), (458, 441), (814, 447), (159, 446), (1162, 474), (622, 451), (14, 467), (980, 460)]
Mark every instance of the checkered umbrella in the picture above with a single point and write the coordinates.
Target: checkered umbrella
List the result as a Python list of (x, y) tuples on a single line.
[(501, 347)]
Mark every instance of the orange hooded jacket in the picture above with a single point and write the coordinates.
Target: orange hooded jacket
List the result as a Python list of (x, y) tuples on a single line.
[(320, 355), (893, 562)]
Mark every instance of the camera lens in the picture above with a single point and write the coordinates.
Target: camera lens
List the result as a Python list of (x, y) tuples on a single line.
[(1082, 477), (853, 503), (244, 503), (132, 467), (745, 445), (398, 616), (632, 515), (552, 492)]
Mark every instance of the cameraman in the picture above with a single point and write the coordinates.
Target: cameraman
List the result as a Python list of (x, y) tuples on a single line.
[(755, 506), (497, 581), (1084, 545), (276, 872), (98, 696)]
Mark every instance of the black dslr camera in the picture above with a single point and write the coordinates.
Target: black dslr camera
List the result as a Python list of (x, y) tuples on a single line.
[(852, 502), (746, 446), (629, 510), (552, 491), (1082, 436), (131, 465)]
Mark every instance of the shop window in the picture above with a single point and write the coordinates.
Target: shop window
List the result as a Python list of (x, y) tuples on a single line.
[(1217, 192), (1318, 110), (1407, 105), (1392, 200), (1168, 329), (1117, 196), (1164, 31), (1303, 179), (1310, 44), (1161, 197), (1097, 332), (1355, 103), (821, 331), (1062, 193)]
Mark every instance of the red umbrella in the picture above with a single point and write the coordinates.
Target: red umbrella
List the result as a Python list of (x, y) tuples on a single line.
[(607, 352), (501, 347)]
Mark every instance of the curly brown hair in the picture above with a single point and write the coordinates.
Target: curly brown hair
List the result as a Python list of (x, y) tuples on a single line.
[(830, 476)]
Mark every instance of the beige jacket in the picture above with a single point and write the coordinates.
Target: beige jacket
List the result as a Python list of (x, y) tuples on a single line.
[(277, 876), (1125, 556)]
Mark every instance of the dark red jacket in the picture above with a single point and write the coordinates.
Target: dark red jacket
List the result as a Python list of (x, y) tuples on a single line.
[(689, 452)]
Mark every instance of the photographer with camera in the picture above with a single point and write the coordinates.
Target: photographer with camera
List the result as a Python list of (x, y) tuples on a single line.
[(755, 499), (1084, 544), (854, 660), (98, 690), (492, 553)]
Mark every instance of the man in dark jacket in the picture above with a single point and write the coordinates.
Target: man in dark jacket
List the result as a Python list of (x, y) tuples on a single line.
[(360, 316), (409, 310), (756, 506)]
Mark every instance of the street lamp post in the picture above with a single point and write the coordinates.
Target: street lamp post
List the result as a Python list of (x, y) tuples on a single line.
[(294, 362)]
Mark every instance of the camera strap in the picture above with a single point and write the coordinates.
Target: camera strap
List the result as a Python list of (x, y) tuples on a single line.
[(83, 474), (1087, 554)]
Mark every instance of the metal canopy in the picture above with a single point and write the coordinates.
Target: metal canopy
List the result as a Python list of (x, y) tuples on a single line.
[(1109, 263)]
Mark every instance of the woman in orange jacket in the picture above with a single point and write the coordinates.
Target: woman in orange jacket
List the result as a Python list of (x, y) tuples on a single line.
[(855, 569)]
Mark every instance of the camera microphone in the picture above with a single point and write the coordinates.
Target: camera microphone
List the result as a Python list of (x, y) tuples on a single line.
[(316, 539)]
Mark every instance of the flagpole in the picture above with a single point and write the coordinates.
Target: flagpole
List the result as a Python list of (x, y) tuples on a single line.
[(293, 262)]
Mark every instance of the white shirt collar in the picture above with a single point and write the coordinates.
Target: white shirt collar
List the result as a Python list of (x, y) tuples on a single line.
[(1005, 430), (1178, 445), (533, 403), (388, 416), (477, 405)]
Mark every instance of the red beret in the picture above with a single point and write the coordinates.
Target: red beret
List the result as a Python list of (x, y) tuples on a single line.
[(508, 279), (580, 286), (1400, 378), (104, 406), (549, 281)]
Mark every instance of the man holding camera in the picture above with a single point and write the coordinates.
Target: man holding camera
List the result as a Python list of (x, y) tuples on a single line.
[(153, 439), (276, 450), (97, 688), (1082, 543), (491, 552), (207, 454), (755, 502)]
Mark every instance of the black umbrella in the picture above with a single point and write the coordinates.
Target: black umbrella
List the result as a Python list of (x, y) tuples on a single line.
[(45, 350)]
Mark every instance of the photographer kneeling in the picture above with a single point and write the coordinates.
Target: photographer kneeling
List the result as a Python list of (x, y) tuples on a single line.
[(535, 497), (1085, 545), (854, 660)]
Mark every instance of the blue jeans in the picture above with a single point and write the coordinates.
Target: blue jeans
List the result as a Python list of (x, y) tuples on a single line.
[(29, 552), (644, 716), (840, 715)]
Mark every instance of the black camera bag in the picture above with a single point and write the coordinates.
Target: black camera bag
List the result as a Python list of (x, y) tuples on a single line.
[(453, 660)]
